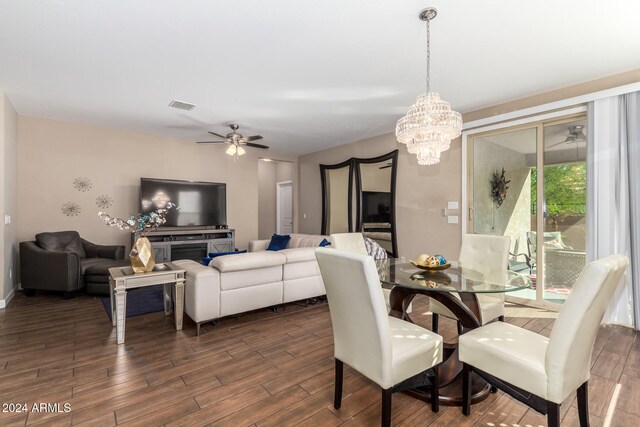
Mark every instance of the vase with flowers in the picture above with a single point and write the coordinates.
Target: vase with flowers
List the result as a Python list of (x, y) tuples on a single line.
[(141, 255)]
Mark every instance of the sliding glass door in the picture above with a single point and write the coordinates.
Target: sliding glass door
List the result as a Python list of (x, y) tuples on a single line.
[(507, 170)]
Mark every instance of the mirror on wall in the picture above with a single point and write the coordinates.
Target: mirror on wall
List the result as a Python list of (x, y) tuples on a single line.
[(337, 183), (375, 199)]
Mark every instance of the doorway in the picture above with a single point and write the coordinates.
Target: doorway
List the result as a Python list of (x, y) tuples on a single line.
[(507, 170), (284, 207)]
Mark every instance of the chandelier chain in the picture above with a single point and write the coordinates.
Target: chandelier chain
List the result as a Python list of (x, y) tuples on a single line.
[(428, 55)]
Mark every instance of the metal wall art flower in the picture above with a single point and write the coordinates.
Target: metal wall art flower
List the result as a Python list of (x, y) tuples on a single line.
[(71, 209), (104, 201), (499, 187), (82, 184)]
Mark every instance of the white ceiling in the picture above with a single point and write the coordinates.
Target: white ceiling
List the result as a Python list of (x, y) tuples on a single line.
[(307, 75)]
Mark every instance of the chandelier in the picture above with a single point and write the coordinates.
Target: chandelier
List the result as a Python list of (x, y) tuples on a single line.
[(430, 124)]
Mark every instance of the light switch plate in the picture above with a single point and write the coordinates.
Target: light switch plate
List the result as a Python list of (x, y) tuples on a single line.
[(452, 205), (7, 219), (452, 219)]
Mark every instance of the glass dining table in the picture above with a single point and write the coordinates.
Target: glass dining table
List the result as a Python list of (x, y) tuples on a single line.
[(457, 288)]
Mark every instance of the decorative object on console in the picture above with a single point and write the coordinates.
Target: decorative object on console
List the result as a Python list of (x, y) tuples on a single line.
[(430, 124), (278, 242), (141, 255), (236, 140), (71, 209), (499, 188), (82, 184), (104, 201)]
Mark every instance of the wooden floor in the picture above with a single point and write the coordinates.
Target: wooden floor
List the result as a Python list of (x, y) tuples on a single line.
[(263, 369)]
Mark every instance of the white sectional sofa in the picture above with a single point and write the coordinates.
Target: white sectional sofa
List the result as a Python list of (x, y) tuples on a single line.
[(235, 284)]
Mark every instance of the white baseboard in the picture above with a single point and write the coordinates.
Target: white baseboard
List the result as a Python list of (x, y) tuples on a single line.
[(4, 302)]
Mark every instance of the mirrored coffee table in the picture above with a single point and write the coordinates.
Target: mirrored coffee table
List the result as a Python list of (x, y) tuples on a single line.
[(123, 278)]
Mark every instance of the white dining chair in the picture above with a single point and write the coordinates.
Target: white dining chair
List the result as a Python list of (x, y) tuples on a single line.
[(354, 242), (384, 349), (489, 251), (550, 368)]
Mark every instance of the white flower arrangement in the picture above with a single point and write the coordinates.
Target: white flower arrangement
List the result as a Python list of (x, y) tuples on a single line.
[(139, 224)]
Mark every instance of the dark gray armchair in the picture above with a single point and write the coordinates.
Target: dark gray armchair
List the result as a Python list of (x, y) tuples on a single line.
[(59, 261)]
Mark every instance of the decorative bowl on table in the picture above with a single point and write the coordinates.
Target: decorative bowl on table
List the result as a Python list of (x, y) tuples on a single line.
[(430, 268), (431, 263)]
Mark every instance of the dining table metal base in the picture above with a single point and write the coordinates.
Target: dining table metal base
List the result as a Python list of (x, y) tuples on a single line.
[(450, 370)]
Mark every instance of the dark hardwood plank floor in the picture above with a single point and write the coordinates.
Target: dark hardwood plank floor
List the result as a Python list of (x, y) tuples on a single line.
[(261, 369)]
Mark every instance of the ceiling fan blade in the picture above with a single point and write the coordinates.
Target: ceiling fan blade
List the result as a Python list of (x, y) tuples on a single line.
[(251, 144), (211, 142), (558, 143), (218, 135), (251, 138)]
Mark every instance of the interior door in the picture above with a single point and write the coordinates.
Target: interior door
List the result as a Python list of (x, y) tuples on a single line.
[(285, 208)]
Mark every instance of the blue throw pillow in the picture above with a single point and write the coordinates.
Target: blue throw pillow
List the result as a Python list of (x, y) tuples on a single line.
[(278, 242), (206, 260), (324, 243), (217, 254)]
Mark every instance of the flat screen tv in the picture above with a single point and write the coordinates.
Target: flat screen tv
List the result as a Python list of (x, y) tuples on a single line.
[(201, 204), (376, 206)]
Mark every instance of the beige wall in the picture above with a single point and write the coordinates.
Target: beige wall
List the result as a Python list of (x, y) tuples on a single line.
[(421, 193), (51, 154), (608, 82), (9, 247), (266, 199)]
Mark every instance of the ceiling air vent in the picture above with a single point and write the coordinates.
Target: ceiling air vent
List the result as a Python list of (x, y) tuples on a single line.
[(181, 105)]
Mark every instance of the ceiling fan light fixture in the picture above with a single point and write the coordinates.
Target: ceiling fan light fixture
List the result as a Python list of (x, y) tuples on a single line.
[(576, 134), (430, 124), (235, 150)]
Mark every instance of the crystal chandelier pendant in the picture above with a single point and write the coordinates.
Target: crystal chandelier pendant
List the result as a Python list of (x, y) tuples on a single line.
[(430, 124)]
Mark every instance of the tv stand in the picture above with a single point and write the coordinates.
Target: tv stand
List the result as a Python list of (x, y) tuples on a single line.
[(171, 245)]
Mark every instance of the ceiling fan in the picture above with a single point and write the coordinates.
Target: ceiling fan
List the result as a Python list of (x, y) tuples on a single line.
[(236, 140), (576, 135)]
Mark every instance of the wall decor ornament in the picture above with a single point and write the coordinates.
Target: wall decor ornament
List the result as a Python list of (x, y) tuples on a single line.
[(82, 184), (104, 201), (499, 187), (71, 209)]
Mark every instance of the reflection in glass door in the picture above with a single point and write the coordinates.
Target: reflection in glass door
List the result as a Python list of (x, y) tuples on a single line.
[(508, 169), (502, 193), (565, 185)]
